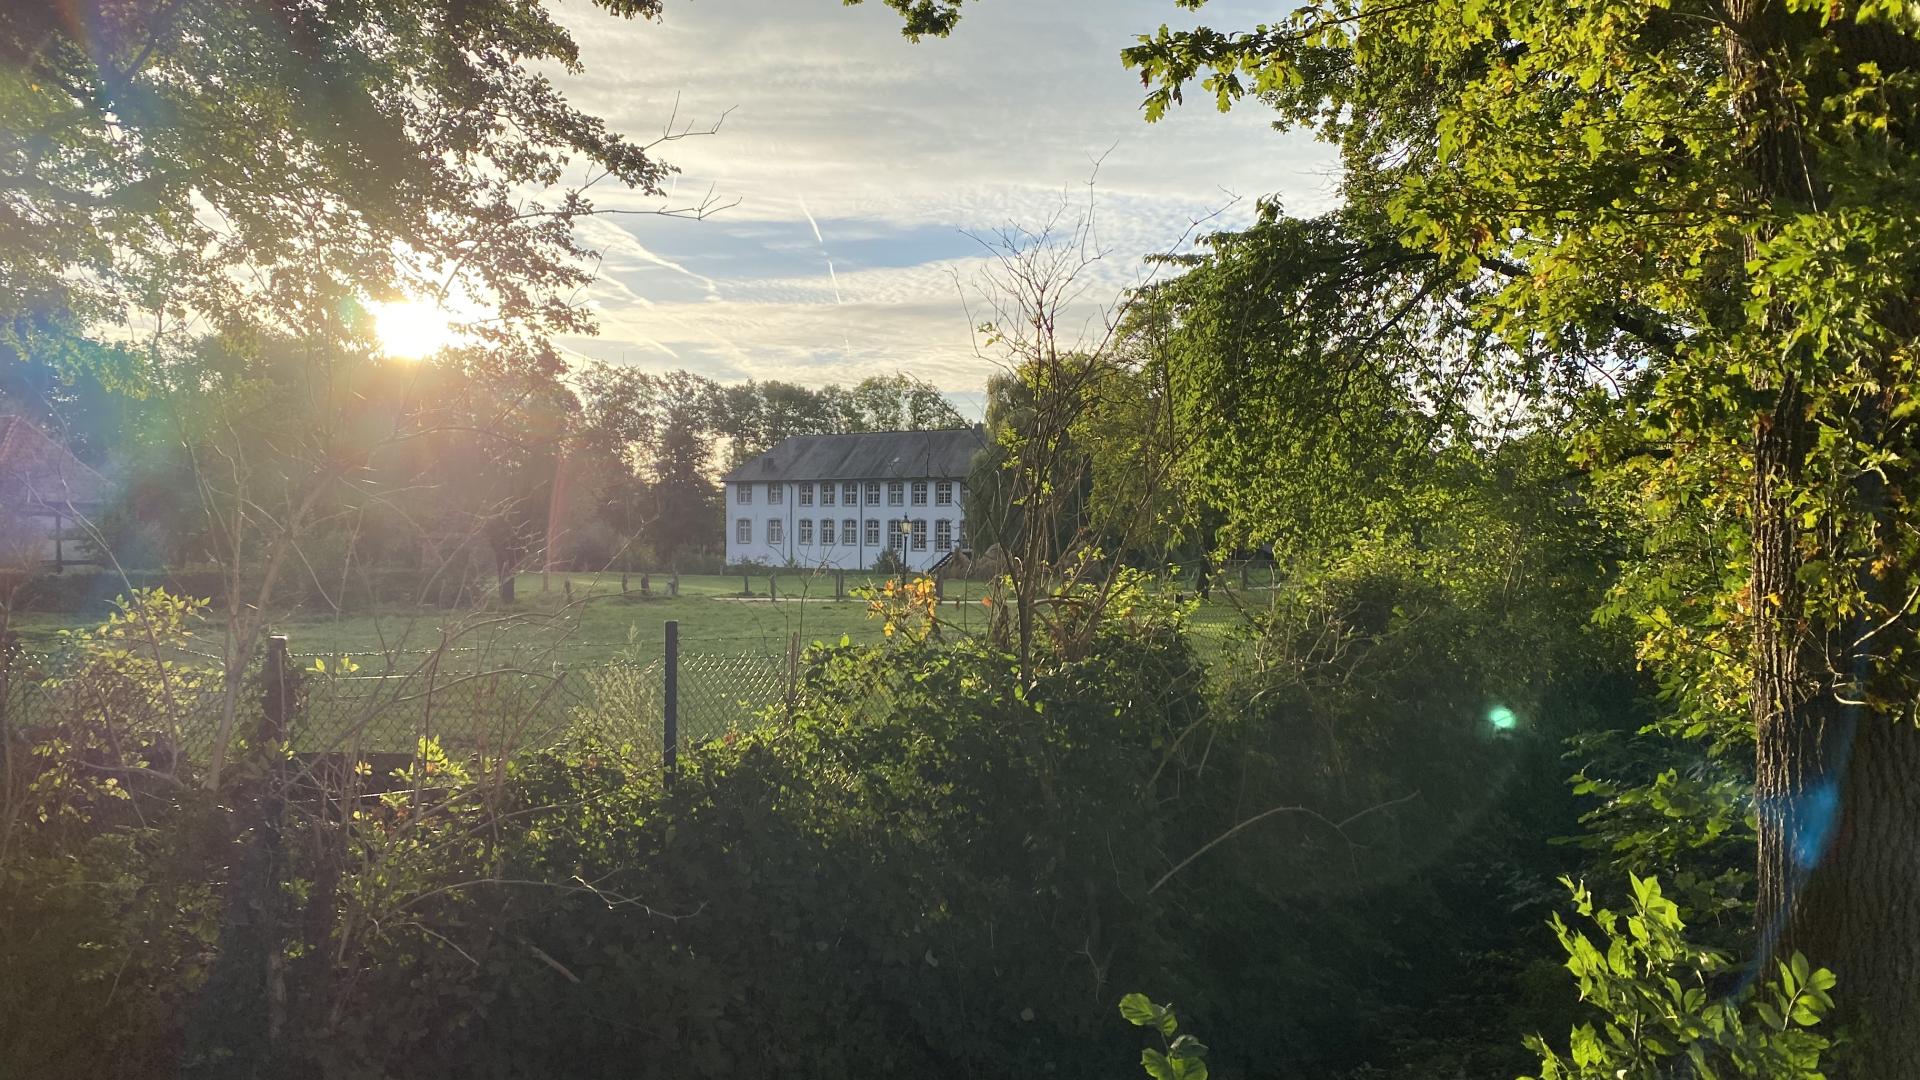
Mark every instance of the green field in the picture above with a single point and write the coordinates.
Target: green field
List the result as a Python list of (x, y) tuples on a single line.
[(558, 654), (597, 622)]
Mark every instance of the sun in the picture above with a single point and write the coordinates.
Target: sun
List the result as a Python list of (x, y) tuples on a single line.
[(411, 329)]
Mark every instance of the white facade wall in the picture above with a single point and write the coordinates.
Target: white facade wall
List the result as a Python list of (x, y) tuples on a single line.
[(780, 530)]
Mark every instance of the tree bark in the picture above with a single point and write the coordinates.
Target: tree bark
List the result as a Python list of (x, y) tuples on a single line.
[(1837, 784)]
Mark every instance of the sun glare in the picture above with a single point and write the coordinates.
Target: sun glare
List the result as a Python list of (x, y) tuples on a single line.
[(411, 329)]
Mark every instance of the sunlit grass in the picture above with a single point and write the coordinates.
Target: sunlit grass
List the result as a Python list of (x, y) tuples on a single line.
[(597, 622)]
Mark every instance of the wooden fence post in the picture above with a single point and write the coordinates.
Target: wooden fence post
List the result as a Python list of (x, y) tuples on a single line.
[(793, 672), (670, 701), (277, 702)]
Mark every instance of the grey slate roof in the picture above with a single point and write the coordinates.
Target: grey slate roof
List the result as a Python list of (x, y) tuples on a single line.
[(883, 455), (38, 474)]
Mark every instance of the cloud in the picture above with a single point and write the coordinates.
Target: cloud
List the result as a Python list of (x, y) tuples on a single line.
[(863, 164)]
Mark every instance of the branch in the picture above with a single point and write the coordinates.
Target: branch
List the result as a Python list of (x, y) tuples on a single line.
[(1635, 324), (1337, 826)]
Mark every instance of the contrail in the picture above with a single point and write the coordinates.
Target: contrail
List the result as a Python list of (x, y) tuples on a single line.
[(822, 241), (810, 221)]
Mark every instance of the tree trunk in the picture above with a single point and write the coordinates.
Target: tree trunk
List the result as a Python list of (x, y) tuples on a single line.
[(506, 569), (1837, 785)]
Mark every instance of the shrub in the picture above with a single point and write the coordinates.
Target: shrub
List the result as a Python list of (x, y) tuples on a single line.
[(1653, 991), (933, 870), (107, 858), (92, 591)]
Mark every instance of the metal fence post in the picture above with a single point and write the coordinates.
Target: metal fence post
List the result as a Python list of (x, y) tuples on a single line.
[(670, 734)]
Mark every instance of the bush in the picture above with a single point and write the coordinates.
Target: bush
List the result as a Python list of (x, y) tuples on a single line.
[(934, 870), (92, 591), (1657, 1006), (109, 855)]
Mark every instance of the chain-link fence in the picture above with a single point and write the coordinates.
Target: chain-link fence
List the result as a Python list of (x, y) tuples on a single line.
[(485, 703)]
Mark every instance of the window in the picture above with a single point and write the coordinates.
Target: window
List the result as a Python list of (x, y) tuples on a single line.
[(743, 531), (776, 532), (896, 493), (920, 535), (804, 534), (850, 494), (826, 531), (776, 494), (897, 536), (943, 535), (743, 494), (919, 493), (873, 533), (826, 494), (943, 493), (960, 533), (806, 494), (873, 494), (847, 533)]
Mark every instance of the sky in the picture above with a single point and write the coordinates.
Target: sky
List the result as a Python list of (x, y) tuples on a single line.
[(859, 170)]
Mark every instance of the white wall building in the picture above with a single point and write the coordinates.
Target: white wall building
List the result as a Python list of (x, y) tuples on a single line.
[(839, 501)]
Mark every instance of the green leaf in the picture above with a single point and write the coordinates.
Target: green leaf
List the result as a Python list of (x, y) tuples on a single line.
[(1137, 1010)]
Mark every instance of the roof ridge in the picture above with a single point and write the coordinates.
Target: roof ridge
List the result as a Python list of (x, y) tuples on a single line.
[(846, 455)]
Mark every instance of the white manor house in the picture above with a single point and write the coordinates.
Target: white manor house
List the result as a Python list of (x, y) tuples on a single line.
[(838, 501)]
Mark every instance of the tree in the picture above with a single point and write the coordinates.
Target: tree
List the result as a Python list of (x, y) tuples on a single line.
[(1721, 192), (256, 165), (686, 501), (244, 178), (1725, 194), (754, 416)]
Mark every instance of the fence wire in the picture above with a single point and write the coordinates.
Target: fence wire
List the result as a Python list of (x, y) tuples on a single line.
[(492, 710)]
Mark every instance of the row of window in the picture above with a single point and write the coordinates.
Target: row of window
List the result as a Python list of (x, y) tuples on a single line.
[(898, 492), (903, 534)]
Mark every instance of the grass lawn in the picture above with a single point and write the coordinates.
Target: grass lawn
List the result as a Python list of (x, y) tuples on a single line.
[(732, 638), (596, 622)]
